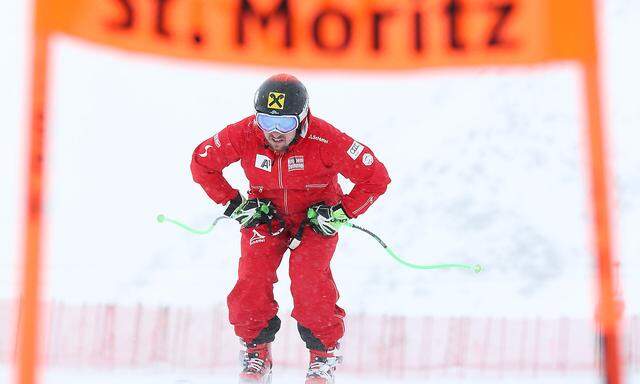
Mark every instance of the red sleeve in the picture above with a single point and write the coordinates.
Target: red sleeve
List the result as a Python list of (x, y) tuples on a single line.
[(212, 156), (356, 162)]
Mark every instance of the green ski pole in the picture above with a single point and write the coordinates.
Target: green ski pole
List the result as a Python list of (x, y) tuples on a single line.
[(477, 268), (162, 218)]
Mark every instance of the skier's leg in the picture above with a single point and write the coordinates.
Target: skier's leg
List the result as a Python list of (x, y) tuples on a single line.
[(314, 292), (252, 308)]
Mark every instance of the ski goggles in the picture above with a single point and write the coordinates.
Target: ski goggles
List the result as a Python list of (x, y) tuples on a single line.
[(283, 124)]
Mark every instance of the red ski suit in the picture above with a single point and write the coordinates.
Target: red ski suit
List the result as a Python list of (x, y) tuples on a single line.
[(294, 180)]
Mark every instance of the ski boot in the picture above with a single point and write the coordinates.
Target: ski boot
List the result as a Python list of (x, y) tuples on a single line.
[(256, 363), (322, 364)]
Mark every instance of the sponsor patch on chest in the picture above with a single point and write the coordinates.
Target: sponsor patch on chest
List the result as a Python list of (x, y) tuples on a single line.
[(318, 138), (295, 163), (263, 162)]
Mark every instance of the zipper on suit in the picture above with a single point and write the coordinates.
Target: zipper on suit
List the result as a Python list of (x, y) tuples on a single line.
[(281, 183)]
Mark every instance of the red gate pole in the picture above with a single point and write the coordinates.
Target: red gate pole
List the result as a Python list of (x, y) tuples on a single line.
[(608, 307), (27, 363)]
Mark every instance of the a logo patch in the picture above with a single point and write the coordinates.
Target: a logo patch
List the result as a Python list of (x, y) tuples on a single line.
[(275, 100), (367, 159), (256, 238), (206, 148), (263, 162), (296, 163), (216, 140), (355, 150), (318, 138)]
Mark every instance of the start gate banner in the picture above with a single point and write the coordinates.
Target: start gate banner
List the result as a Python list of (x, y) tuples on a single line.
[(355, 34)]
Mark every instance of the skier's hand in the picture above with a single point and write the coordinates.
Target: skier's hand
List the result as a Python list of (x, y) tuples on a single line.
[(250, 213), (326, 220)]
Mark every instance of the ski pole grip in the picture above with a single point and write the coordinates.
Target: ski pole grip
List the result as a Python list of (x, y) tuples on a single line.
[(297, 239)]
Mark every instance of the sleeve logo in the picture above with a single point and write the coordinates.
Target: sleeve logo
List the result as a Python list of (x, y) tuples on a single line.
[(216, 140), (367, 159), (206, 148), (275, 100), (355, 150)]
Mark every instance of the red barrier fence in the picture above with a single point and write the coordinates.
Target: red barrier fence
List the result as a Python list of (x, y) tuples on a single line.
[(115, 336)]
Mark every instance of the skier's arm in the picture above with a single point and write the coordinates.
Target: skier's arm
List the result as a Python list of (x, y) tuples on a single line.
[(211, 157), (356, 162)]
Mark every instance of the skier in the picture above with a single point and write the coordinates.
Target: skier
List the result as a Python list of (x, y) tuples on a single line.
[(291, 159)]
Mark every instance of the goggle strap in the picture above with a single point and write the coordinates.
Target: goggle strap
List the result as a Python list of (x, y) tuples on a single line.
[(303, 114)]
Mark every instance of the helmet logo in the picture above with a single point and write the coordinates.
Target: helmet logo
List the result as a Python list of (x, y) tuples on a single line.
[(275, 100)]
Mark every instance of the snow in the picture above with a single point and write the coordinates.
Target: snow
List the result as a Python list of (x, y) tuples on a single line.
[(487, 191), (67, 376), (499, 154)]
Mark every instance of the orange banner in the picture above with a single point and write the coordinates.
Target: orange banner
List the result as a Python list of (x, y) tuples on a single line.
[(377, 34)]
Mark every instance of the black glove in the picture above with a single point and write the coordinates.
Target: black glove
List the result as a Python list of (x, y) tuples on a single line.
[(326, 220), (234, 207), (253, 212)]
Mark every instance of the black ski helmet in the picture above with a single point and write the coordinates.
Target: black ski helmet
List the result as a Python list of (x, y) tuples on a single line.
[(282, 94)]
